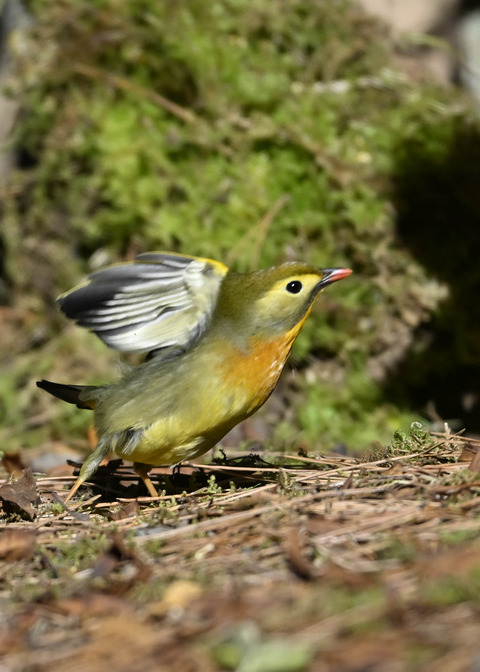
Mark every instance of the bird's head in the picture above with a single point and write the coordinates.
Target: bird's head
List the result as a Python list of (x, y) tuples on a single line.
[(274, 301)]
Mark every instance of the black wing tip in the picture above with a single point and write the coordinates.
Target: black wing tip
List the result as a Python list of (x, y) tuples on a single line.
[(78, 301)]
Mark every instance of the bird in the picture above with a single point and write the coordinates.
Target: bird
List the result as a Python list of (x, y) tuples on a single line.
[(216, 342)]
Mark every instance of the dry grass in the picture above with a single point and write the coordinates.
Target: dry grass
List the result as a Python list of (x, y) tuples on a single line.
[(321, 564)]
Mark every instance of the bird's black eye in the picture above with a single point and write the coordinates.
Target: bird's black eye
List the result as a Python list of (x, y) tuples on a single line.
[(294, 287)]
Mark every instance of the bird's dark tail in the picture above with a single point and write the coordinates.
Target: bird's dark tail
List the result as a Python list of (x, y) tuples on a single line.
[(69, 393)]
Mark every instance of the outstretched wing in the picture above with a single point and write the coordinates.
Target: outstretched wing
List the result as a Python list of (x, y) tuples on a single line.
[(157, 301)]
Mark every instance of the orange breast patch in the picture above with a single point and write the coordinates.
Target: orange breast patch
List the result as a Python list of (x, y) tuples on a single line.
[(256, 371)]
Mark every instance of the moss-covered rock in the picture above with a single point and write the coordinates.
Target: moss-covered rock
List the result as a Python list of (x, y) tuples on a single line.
[(250, 132)]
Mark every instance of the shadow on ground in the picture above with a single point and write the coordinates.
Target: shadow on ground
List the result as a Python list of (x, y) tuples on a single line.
[(437, 197)]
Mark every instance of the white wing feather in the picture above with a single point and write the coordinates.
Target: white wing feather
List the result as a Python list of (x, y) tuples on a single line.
[(157, 301)]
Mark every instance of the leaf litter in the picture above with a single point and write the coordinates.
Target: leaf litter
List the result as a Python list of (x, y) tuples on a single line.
[(259, 563)]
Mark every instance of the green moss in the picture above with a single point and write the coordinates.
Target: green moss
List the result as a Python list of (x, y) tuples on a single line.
[(452, 590), (402, 550), (457, 537), (72, 557), (182, 130)]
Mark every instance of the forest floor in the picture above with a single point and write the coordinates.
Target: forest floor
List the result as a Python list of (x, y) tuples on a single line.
[(257, 563)]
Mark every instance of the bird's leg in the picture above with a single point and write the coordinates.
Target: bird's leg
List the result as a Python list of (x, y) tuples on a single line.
[(176, 469), (142, 470), (90, 466)]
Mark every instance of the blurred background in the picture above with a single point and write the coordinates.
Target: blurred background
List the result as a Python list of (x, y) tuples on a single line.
[(253, 132)]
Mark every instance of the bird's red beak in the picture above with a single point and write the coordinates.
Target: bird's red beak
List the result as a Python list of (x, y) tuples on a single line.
[(332, 275)]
